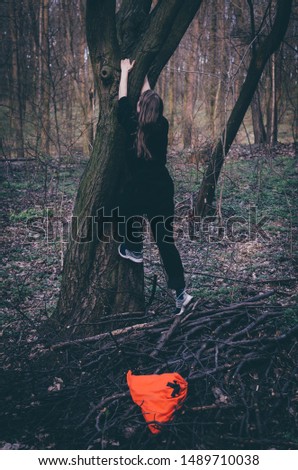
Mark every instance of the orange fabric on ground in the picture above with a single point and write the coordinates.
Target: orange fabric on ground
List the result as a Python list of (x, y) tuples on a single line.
[(157, 395)]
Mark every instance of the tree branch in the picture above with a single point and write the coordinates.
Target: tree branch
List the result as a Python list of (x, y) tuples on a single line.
[(101, 29), (179, 27), (159, 27), (131, 19)]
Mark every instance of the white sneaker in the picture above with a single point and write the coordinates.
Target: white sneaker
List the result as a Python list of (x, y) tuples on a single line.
[(135, 256), (182, 302)]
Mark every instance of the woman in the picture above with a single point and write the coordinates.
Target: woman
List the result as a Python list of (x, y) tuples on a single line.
[(150, 191)]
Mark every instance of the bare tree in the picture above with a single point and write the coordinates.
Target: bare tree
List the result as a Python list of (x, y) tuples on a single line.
[(258, 61)]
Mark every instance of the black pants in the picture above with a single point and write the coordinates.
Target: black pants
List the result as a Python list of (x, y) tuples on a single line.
[(155, 201)]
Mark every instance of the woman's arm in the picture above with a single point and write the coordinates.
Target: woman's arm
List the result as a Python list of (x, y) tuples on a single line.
[(126, 67)]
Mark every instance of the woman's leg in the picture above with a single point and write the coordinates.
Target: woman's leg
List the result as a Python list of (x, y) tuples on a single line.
[(161, 223), (131, 230)]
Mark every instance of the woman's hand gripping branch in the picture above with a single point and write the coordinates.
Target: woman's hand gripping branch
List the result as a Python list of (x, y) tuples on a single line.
[(126, 66)]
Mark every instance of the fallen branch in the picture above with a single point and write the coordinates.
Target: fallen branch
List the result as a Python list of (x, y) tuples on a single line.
[(166, 336), (91, 339)]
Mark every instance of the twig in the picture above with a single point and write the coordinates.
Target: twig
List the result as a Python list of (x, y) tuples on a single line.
[(214, 406), (166, 336)]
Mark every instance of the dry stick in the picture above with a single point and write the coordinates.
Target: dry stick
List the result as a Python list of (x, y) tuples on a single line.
[(218, 315), (198, 303), (229, 311), (165, 336), (249, 327), (212, 407), (211, 321), (90, 339), (250, 302), (205, 343)]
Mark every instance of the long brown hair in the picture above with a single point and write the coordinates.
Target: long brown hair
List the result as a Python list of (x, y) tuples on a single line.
[(151, 109)]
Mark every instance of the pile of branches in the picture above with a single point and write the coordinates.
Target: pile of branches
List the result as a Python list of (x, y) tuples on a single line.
[(240, 361)]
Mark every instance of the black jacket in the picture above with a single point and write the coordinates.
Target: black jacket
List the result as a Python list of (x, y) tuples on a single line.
[(153, 169)]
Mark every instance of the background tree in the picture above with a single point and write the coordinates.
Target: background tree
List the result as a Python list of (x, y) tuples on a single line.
[(260, 56)]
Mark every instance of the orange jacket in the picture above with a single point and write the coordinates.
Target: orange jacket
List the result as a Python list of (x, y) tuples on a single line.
[(158, 396)]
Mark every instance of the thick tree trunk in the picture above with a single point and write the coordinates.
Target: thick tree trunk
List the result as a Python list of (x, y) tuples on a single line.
[(265, 50), (96, 281)]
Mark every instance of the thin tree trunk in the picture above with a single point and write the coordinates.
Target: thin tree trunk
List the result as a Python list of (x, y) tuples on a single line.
[(257, 120), (222, 66), (46, 128), (171, 95), (213, 70), (190, 86), (44, 85), (272, 107), (16, 95)]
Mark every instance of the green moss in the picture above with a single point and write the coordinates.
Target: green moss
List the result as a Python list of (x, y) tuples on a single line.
[(26, 214)]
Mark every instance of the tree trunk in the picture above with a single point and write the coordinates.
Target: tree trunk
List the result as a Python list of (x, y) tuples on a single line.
[(190, 86), (96, 281), (257, 120), (170, 89), (272, 105), (16, 86), (213, 79), (43, 90), (270, 44)]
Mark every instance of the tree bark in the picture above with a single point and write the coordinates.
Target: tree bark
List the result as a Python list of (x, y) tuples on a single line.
[(269, 45), (257, 120), (213, 79), (96, 281), (43, 78), (16, 86), (190, 86), (272, 105), (256, 109)]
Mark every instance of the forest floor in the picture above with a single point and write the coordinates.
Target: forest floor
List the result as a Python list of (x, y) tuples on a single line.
[(248, 250)]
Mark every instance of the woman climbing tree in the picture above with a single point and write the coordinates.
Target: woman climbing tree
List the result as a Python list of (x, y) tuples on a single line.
[(150, 191)]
